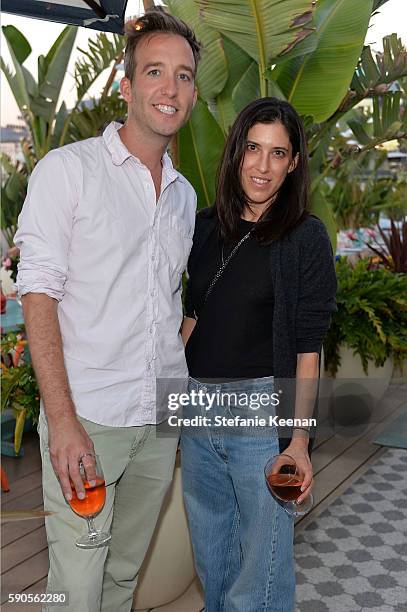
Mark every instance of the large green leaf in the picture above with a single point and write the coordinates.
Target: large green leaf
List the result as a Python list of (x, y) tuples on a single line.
[(212, 70), (321, 208), (16, 80), (317, 82), (263, 28), (19, 43), (230, 100), (17, 85), (56, 64), (200, 144)]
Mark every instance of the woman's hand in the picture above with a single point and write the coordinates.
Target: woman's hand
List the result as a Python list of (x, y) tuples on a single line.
[(298, 450)]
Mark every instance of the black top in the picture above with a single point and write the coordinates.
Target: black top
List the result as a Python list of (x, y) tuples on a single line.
[(238, 312), (302, 270)]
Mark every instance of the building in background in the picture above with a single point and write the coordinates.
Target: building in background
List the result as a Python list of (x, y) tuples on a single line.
[(11, 137)]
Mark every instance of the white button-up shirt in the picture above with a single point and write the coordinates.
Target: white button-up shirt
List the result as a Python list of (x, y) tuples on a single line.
[(92, 235)]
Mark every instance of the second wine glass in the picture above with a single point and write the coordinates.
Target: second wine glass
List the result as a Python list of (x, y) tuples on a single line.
[(90, 506), (284, 481)]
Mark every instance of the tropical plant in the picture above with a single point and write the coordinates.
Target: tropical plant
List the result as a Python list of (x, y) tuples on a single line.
[(354, 188), (51, 126), (13, 191), (393, 250), (305, 52), (38, 99), (372, 315), (19, 389)]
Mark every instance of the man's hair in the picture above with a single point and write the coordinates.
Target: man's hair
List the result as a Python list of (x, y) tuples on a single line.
[(155, 21)]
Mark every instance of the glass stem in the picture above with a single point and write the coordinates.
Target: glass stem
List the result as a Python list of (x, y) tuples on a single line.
[(91, 527)]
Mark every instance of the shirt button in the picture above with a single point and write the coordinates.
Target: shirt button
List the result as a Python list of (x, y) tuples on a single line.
[(152, 293), (150, 330), (149, 366)]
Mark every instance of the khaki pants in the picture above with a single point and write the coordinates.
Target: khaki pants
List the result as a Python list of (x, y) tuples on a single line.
[(138, 465)]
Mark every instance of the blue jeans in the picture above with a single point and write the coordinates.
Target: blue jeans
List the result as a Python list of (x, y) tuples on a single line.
[(242, 539)]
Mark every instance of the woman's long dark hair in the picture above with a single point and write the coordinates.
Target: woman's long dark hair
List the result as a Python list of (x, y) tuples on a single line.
[(291, 203)]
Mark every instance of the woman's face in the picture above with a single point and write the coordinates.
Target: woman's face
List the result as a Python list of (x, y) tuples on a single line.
[(266, 162)]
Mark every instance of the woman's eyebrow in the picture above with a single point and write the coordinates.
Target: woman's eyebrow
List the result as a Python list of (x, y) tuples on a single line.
[(274, 147)]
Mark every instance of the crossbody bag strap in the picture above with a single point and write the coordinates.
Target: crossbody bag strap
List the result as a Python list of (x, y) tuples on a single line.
[(223, 266)]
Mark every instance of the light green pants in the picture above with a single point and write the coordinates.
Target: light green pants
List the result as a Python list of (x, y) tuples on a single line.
[(138, 464)]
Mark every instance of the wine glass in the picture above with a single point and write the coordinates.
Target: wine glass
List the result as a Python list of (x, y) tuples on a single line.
[(90, 506), (284, 482)]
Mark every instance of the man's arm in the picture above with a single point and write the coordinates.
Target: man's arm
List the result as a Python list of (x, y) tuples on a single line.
[(68, 440), (44, 236)]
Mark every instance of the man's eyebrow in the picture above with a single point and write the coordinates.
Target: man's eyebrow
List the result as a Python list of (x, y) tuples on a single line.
[(259, 145), (160, 65)]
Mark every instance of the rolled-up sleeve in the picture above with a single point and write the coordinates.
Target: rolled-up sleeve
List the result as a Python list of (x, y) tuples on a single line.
[(45, 226), (317, 290)]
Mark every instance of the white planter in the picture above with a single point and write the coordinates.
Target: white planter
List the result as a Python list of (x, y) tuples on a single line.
[(168, 569), (353, 395)]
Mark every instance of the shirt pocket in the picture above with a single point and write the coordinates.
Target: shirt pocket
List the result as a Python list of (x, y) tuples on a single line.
[(179, 244)]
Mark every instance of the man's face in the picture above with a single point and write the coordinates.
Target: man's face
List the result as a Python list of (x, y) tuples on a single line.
[(162, 94)]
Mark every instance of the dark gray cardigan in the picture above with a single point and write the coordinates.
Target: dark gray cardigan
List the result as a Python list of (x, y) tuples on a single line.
[(304, 283)]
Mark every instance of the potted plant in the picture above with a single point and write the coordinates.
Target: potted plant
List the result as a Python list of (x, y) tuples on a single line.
[(20, 398), (367, 335)]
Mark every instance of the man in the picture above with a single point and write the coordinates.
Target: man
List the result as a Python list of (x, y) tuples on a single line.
[(104, 236)]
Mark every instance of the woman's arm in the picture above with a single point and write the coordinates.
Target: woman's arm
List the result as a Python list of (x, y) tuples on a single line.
[(306, 391), (187, 328)]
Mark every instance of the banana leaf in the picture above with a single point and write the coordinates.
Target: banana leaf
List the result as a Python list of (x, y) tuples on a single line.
[(241, 87), (263, 28), (213, 70), (317, 82), (200, 144), (321, 208)]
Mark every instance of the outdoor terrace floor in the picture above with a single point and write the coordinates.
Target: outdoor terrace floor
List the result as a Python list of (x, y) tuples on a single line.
[(338, 461)]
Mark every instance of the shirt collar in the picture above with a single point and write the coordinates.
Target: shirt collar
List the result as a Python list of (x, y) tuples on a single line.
[(120, 152)]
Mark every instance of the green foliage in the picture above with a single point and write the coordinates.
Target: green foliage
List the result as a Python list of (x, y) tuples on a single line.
[(393, 251), (373, 73), (13, 192), (315, 83), (371, 317), (90, 121), (389, 121), (19, 388), (354, 191), (38, 100), (99, 55), (200, 145), (301, 52)]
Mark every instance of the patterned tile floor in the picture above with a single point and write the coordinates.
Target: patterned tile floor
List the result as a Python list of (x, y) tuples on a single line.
[(353, 557)]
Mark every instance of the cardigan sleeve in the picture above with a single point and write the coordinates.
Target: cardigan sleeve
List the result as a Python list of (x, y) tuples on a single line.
[(317, 288)]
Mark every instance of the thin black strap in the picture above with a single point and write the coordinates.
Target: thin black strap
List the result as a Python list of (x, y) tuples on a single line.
[(223, 266)]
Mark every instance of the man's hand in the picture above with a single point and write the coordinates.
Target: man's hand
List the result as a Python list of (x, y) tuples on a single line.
[(69, 445)]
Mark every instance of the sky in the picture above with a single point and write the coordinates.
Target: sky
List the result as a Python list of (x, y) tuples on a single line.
[(41, 35)]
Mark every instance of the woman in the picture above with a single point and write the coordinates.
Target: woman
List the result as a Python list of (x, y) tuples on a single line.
[(260, 293)]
